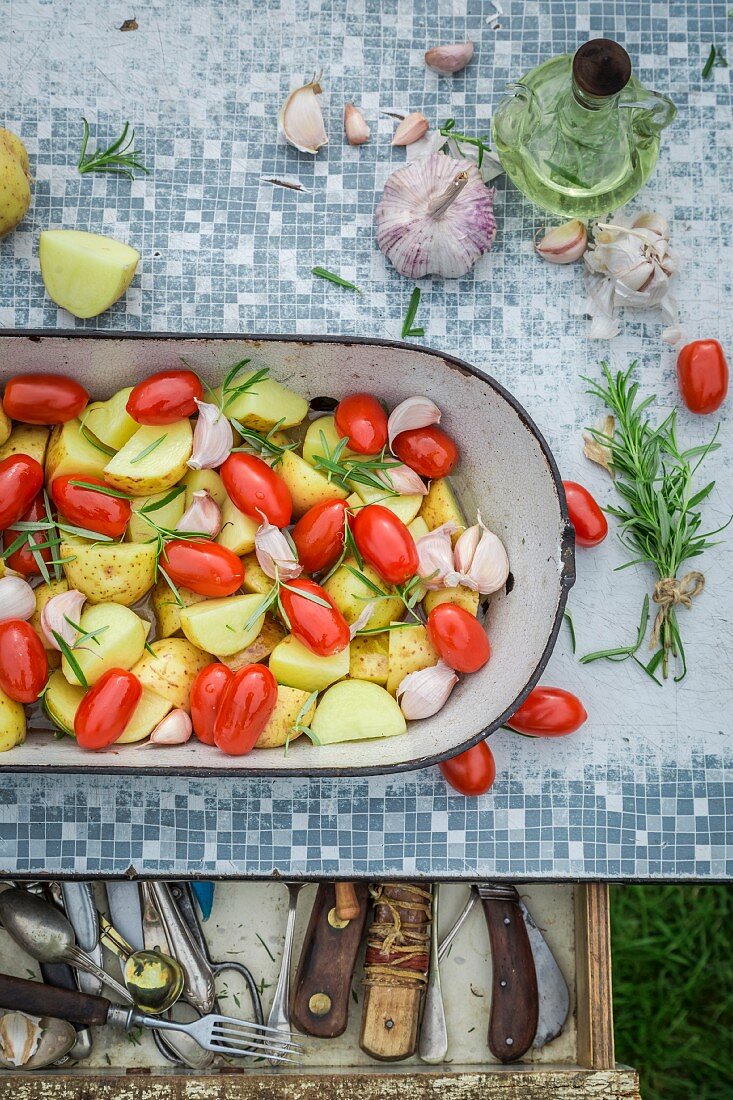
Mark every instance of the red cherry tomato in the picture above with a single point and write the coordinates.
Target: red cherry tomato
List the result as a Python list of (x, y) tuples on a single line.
[(90, 509), (458, 637), (165, 397), (204, 567), (384, 541), (207, 692), (548, 712), (323, 629), (44, 399), (256, 489), (591, 526), (319, 535), (471, 772), (21, 479), (22, 560), (23, 661), (702, 372), (245, 709), (428, 451), (363, 421), (106, 709)]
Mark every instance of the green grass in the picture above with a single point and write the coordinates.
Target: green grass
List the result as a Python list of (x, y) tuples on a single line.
[(673, 988)]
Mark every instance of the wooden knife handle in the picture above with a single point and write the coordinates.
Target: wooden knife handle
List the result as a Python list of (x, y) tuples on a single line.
[(347, 903), (20, 995), (514, 997)]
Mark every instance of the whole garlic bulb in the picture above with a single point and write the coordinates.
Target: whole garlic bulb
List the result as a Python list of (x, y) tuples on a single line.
[(436, 217)]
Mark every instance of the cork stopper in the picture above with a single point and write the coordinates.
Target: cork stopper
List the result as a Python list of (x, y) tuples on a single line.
[(601, 67)]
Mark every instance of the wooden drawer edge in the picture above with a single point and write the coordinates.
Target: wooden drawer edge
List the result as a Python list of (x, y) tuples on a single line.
[(593, 976)]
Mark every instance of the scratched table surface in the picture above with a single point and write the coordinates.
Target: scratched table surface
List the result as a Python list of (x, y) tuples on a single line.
[(645, 789)]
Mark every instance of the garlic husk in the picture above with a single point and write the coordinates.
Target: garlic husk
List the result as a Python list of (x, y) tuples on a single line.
[(301, 119), (435, 556), (413, 412), (355, 125), (424, 692), (55, 615), (17, 600), (673, 335), (481, 561), (653, 222), (411, 128), (203, 515), (435, 217), (564, 244), (20, 1035), (364, 616), (275, 553), (404, 481), (595, 449), (448, 60), (213, 438), (175, 729)]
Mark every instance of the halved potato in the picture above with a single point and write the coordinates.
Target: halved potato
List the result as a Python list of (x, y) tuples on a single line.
[(152, 460), (272, 632), (293, 664), (171, 669), (279, 729), (120, 572), (139, 530), (110, 422), (72, 452), (356, 710), (369, 658), (441, 506), (461, 596), (237, 530), (198, 480), (410, 649), (221, 626), (26, 439), (119, 643), (12, 722), (307, 486), (265, 405), (83, 272), (418, 528), (168, 610), (406, 508), (351, 595), (151, 710)]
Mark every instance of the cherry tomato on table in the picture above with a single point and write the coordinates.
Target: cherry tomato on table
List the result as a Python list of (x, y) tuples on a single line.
[(702, 373), (256, 489), (205, 567), (471, 772), (44, 399), (165, 397), (23, 661), (88, 508), (384, 541), (207, 692), (21, 479), (428, 451), (361, 418), (458, 637), (106, 709), (548, 712), (591, 526), (249, 700), (323, 629), (319, 535), (23, 560)]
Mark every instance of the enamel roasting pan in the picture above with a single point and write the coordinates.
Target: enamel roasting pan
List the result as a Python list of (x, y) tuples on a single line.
[(506, 470)]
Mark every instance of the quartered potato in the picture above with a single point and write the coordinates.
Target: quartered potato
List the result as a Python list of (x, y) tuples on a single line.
[(62, 700), (119, 572), (109, 421), (369, 659), (237, 530), (293, 664), (170, 669), (72, 451), (409, 650), (209, 481), (307, 486), (351, 595), (223, 626), (266, 404), (139, 530), (441, 506), (406, 507), (280, 727), (12, 722), (167, 608), (153, 459), (258, 650), (117, 641), (461, 596)]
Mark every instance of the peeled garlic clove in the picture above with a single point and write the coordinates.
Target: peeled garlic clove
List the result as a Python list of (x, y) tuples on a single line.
[(56, 615), (413, 412), (423, 693), (364, 617), (17, 600), (564, 244), (655, 223), (355, 126), (301, 119), (175, 729), (213, 438), (411, 128), (20, 1035), (435, 556), (275, 553), (404, 481), (447, 60), (203, 516)]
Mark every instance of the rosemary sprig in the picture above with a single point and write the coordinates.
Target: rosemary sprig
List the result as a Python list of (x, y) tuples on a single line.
[(408, 328), (231, 391), (716, 59), (331, 277), (298, 725), (348, 472), (119, 158), (479, 142), (265, 444), (66, 651), (149, 449)]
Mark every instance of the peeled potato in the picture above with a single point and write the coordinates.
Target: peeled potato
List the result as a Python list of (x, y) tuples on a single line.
[(15, 191), (85, 273)]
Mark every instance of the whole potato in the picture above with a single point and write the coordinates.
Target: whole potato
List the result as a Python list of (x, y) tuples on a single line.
[(15, 177)]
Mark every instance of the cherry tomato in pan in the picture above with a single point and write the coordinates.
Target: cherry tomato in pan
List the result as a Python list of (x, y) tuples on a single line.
[(22, 560), (591, 526), (458, 637), (362, 419), (428, 451), (319, 535), (21, 479), (204, 567), (245, 709), (93, 510), (471, 772), (256, 489), (323, 629), (702, 373), (106, 709), (384, 541), (207, 692), (165, 397), (548, 712), (44, 399), (23, 661)]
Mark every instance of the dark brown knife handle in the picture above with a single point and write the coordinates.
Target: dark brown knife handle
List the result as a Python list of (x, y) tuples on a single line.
[(514, 997), (61, 975), (38, 999)]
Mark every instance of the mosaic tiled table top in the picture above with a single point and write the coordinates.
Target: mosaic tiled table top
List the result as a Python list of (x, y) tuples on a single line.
[(645, 789)]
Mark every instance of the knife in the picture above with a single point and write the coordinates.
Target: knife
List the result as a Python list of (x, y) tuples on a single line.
[(125, 910), (554, 995)]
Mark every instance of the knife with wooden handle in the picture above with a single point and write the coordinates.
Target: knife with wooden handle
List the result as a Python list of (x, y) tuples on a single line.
[(322, 988)]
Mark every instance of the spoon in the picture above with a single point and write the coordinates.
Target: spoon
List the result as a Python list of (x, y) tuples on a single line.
[(154, 980), (57, 1039)]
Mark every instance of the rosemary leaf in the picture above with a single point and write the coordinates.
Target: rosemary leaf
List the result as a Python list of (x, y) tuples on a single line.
[(149, 449), (105, 490), (71, 660), (408, 328), (156, 504), (331, 277)]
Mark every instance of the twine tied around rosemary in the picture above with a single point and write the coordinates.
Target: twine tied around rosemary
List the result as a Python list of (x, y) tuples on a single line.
[(396, 939), (669, 592)]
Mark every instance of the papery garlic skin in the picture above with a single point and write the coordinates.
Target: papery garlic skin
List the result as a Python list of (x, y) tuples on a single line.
[(435, 556), (564, 244), (17, 600), (20, 1035), (448, 60), (175, 729), (56, 612), (275, 553), (301, 119), (413, 412), (203, 515), (481, 560), (355, 126), (213, 438), (413, 127), (424, 692), (403, 481), (363, 619)]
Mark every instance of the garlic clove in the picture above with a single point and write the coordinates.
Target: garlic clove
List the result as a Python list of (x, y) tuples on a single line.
[(20, 1035), (655, 223), (465, 547), (202, 517), (275, 553), (355, 126), (56, 615), (413, 412), (213, 438), (411, 128), (564, 244), (448, 60), (424, 692), (481, 560), (175, 729), (301, 119), (435, 556), (404, 481), (17, 600)]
